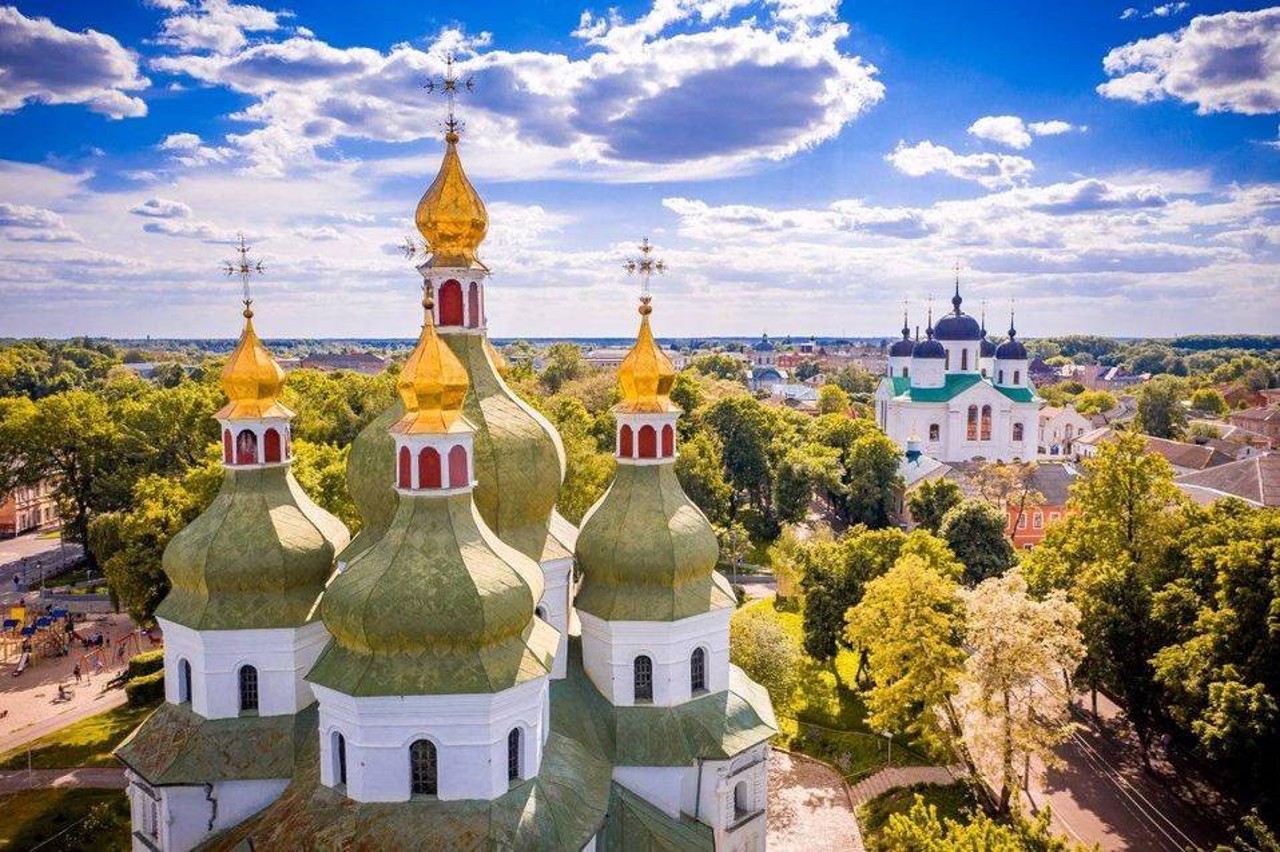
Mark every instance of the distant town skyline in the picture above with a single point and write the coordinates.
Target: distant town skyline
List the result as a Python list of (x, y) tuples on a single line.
[(803, 167)]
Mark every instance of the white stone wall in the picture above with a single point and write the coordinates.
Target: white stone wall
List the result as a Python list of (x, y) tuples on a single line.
[(178, 818), (902, 417), (557, 577), (927, 373), (967, 352), (899, 363), (282, 657), (469, 732), (609, 650), (739, 792)]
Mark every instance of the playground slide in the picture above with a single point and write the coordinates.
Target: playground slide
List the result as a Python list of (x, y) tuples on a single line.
[(22, 663)]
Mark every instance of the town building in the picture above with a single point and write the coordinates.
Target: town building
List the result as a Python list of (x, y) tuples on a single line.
[(1050, 482), (765, 373), (1059, 427), (441, 680), (914, 468), (1264, 420), (611, 358), (28, 508), (1255, 480), (936, 389), (1182, 456), (354, 360)]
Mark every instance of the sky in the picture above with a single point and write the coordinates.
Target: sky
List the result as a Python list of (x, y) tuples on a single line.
[(803, 166)]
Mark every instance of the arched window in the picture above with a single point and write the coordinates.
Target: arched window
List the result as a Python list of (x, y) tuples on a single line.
[(972, 432), (473, 305), (986, 423), (1017, 431), (644, 678), (1017, 377), (422, 768), (227, 455), (246, 447), (513, 754), (906, 372), (248, 689), (339, 758), (698, 671), (403, 477), (1000, 377), (451, 303), (429, 468), (668, 441), (184, 682), (741, 800), (271, 446), (946, 360), (964, 359), (648, 442), (624, 442), (458, 476), (934, 431)]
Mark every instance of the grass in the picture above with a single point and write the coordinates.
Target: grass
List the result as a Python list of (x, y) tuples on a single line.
[(87, 742), (953, 801), (34, 816)]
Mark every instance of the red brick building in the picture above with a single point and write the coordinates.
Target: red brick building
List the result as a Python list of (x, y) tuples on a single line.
[(1053, 482)]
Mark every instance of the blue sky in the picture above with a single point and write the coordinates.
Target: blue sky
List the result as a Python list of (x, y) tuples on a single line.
[(805, 166)]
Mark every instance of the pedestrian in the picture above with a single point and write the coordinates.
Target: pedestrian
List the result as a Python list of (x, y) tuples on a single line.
[(76, 672), (17, 583)]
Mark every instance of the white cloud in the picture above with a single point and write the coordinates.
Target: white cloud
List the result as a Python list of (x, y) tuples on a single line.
[(161, 208), (42, 62), (1167, 10), (1012, 131), (27, 216), (1128, 13), (188, 149), (219, 26), (990, 170), (1221, 63), (192, 229)]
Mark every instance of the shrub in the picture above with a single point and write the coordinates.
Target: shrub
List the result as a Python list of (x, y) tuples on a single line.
[(146, 663), (148, 689)]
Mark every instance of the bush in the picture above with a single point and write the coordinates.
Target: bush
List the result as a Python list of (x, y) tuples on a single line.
[(148, 689), (146, 663)]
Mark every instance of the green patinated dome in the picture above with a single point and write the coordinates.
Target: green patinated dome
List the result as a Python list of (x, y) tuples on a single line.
[(518, 458), (647, 553), (258, 557), (439, 604)]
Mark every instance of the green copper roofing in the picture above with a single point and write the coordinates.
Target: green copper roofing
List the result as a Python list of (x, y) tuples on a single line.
[(439, 604), (647, 553), (176, 746), (258, 557), (370, 479), (954, 385), (634, 825)]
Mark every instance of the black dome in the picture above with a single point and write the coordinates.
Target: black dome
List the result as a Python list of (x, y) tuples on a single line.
[(902, 349), (988, 349), (929, 349), (1011, 350), (957, 327)]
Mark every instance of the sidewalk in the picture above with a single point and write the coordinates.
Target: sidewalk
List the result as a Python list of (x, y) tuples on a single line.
[(106, 777), (903, 776)]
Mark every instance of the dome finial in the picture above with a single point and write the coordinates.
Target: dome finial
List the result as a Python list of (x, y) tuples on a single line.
[(1012, 331), (432, 383), (251, 379), (984, 317), (646, 374), (928, 329), (906, 329), (956, 300)]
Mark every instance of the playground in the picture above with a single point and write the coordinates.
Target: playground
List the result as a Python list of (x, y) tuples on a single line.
[(40, 655)]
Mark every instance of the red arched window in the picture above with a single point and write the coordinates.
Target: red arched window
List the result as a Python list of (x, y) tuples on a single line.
[(986, 423), (451, 303), (271, 446), (648, 442), (226, 446), (457, 467), (473, 305), (972, 432), (403, 476), (429, 468), (246, 447), (668, 441), (624, 442)]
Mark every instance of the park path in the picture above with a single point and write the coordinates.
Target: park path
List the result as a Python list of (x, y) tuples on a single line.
[(107, 777), (902, 776), (809, 808)]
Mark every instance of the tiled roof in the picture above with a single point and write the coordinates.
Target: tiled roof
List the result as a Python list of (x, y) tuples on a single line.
[(1260, 414), (954, 385), (1181, 454), (1053, 481), (1255, 479)]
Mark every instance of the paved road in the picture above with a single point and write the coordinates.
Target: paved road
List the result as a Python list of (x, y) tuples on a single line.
[(108, 777), (31, 557)]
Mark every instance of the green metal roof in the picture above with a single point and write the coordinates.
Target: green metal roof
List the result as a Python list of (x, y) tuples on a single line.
[(647, 553), (437, 605), (176, 746), (634, 825), (954, 385), (1027, 394), (258, 557), (371, 476)]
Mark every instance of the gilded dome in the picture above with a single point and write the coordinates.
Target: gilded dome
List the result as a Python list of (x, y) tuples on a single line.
[(437, 605), (451, 217), (646, 374), (432, 384), (648, 553), (258, 557), (252, 379)]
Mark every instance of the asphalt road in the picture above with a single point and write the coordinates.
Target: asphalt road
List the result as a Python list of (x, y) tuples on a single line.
[(31, 557)]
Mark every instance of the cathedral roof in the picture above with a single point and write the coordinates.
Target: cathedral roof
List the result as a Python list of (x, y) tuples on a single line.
[(957, 325), (764, 344), (451, 216), (252, 379), (954, 385), (646, 374), (930, 349), (432, 384)]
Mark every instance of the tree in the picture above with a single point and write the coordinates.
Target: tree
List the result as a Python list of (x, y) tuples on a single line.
[(1008, 485), (744, 430), (762, 648), (721, 366), (807, 369), (920, 829), (588, 469), (929, 501), (833, 400), (1209, 400), (1160, 411), (321, 470), (975, 532), (1201, 432), (868, 471), (700, 467), (1014, 687), (910, 623), (562, 363), (1094, 402)]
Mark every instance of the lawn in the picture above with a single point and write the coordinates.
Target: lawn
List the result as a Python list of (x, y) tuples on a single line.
[(826, 719), (34, 816), (85, 743), (953, 801)]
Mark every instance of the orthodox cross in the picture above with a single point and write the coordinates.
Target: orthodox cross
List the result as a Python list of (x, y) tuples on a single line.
[(245, 267), (645, 266), (449, 85)]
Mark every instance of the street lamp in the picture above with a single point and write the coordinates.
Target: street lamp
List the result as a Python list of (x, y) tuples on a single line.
[(888, 736)]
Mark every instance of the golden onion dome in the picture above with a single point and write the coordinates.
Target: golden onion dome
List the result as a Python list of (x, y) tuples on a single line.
[(252, 379), (646, 374), (432, 384), (451, 217)]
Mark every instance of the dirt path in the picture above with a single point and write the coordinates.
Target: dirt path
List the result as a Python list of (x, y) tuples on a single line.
[(902, 776), (107, 777), (809, 807)]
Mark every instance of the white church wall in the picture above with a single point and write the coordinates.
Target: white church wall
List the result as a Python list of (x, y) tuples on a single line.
[(671, 789), (609, 650), (281, 656), (557, 575), (178, 818)]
